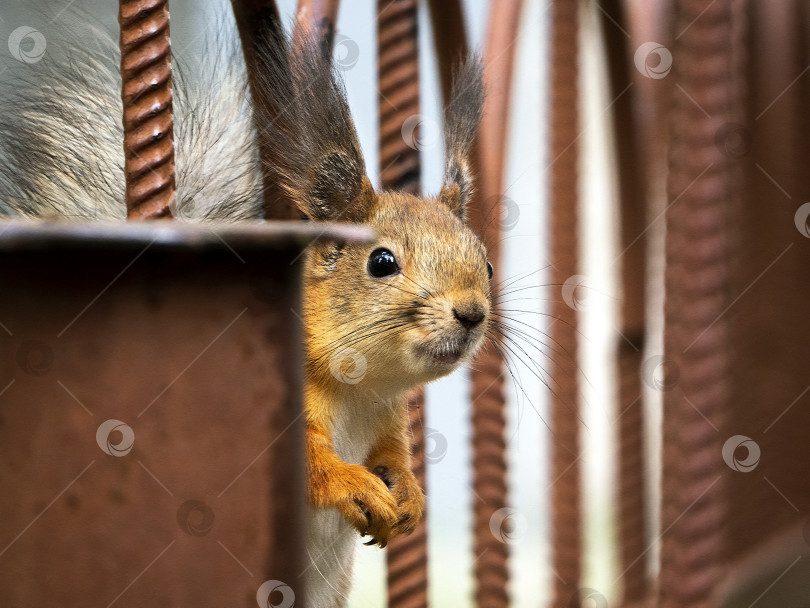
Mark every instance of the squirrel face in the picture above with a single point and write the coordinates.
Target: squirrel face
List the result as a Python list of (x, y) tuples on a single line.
[(415, 304), (405, 310)]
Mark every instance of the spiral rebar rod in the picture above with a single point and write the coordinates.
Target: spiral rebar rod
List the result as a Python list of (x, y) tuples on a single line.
[(398, 73), (632, 494), (566, 505), (146, 92), (697, 281), (488, 401)]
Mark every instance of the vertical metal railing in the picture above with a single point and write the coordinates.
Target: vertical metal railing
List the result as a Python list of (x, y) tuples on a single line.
[(398, 100), (488, 399), (697, 283), (565, 418), (633, 533), (146, 93)]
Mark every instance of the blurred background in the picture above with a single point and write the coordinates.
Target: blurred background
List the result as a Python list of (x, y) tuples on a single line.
[(686, 156)]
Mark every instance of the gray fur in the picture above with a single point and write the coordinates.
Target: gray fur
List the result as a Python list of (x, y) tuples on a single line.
[(61, 138)]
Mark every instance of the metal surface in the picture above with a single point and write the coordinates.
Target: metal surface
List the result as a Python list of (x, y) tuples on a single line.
[(633, 533), (487, 377), (319, 16), (565, 417), (449, 39), (407, 556), (771, 341), (398, 100), (146, 93), (189, 337), (697, 283)]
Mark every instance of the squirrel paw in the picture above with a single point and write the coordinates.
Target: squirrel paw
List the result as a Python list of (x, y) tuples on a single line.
[(368, 505), (409, 496)]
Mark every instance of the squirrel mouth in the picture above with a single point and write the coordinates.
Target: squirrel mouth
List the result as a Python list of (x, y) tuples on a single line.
[(448, 358), (446, 354)]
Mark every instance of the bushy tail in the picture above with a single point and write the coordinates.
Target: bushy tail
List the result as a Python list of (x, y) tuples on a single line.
[(61, 139)]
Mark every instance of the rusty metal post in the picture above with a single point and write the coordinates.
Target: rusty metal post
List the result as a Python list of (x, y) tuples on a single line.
[(487, 377), (566, 500), (146, 93), (151, 445), (398, 77), (449, 39), (697, 284), (633, 533), (319, 16)]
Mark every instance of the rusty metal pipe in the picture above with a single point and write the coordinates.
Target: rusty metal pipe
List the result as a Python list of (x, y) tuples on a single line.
[(398, 78), (489, 402), (566, 499), (146, 92), (697, 281)]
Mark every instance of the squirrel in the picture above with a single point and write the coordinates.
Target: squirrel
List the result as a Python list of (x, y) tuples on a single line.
[(379, 318)]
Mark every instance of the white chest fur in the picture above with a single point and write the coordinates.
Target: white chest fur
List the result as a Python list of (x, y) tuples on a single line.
[(357, 427), (332, 541)]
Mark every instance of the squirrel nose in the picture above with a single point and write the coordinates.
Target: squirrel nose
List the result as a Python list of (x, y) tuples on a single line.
[(468, 316)]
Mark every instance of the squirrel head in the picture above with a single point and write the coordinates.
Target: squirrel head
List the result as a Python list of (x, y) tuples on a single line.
[(414, 304)]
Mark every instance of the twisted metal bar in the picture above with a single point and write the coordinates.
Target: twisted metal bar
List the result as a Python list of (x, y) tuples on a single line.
[(697, 282), (633, 536), (398, 73), (146, 92), (489, 421), (566, 524), (407, 556)]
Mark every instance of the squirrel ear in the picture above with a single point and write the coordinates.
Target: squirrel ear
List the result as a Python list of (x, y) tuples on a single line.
[(461, 119), (340, 190), (314, 156)]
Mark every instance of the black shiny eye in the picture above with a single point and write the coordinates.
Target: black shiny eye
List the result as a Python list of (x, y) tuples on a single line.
[(490, 271), (382, 263)]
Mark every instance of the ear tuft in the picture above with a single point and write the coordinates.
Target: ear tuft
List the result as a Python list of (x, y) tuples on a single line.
[(451, 196), (306, 126), (462, 118), (333, 186)]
